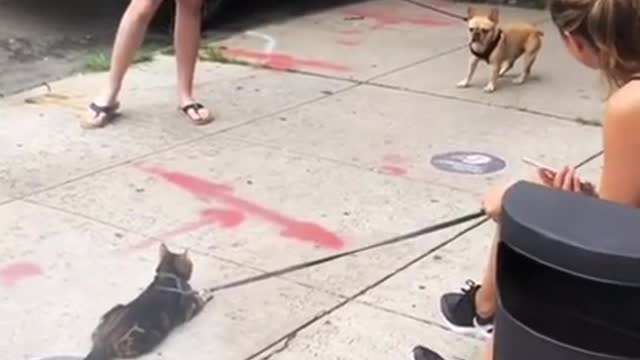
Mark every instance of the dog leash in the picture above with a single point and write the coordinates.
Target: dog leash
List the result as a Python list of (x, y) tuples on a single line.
[(427, 230), (436, 9), (411, 235)]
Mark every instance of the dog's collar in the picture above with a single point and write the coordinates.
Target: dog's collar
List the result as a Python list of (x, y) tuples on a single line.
[(181, 286), (486, 54)]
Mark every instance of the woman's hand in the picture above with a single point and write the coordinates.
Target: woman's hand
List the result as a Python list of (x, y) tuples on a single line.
[(492, 201), (567, 180)]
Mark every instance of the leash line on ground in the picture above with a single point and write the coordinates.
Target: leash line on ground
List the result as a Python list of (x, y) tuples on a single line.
[(293, 333), (287, 338), (408, 236), (427, 230), (436, 9)]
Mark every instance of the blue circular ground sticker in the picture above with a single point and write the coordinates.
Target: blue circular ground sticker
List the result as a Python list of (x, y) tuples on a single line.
[(468, 162)]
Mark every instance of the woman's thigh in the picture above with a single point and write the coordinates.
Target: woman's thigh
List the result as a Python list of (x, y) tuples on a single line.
[(145, 7)]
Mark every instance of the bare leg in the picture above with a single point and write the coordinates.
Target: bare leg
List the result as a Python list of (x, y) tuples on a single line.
[(486, 297), (487, 354), (129, 38), (471, 69), (187, 42)]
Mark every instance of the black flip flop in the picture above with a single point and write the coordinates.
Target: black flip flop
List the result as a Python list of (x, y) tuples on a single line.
[(109, 112), (195, 106), (422, 353)]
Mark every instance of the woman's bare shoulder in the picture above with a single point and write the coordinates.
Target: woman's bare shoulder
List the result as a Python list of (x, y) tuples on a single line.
[(623, 107)]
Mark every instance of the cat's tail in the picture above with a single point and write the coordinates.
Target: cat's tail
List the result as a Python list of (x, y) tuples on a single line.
[(98, 354)]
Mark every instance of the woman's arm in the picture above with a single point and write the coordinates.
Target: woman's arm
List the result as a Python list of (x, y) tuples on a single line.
[(620, 179)]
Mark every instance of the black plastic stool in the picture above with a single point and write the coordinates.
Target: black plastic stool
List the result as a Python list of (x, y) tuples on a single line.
[(568, 274)]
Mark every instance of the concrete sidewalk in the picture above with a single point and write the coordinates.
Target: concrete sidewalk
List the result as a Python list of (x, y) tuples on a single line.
[(363, 138)]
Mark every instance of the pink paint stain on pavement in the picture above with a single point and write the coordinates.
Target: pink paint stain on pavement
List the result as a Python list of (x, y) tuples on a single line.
[(210, 217), (394, 165), (237, 209), (350, 32), (395, 159), (348, 42), (393, 170), (12, 274), (384, 18), (279, 61)]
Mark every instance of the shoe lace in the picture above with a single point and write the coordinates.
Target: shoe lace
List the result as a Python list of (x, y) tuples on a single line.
[(471, 285)]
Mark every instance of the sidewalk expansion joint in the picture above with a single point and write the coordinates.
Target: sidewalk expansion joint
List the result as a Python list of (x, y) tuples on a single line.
[(365, 168), (417, 319), (366, 289), (372, 82), (176, 145)]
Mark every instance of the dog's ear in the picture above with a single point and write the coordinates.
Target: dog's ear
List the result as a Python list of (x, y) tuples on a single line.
[(471, 12), (494, 14)]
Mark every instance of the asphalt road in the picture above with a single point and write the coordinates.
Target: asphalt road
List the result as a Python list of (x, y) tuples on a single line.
[(42, 41)]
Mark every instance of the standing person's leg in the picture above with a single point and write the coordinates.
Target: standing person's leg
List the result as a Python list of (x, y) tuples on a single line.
[(187, 43), (129, 38)]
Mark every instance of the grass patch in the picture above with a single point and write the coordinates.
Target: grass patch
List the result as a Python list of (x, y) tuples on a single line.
[(216, 54), (100, 61), (169, 50)]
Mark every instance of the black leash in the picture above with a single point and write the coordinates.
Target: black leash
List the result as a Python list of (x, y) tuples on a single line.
[(414, 234), (427, 230), (436, 9)]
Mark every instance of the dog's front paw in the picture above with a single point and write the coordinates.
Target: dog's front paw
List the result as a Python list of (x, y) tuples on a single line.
[(491, 87), (463, 84)]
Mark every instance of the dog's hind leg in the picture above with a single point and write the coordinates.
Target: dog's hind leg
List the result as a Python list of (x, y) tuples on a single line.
[(532, 48)]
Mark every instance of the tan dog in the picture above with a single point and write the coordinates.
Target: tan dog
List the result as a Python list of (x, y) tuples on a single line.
[(500, 47)]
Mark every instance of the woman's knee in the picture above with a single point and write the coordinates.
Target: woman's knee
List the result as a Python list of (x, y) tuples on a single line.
[(144, 10)]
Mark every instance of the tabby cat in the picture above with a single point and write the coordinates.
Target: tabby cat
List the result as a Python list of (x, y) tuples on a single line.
[(135, 329)]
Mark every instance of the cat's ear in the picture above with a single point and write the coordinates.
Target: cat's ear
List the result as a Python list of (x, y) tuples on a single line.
[(164, 250)]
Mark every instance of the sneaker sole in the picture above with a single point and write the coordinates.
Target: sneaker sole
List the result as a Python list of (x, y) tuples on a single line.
[(482, 331)]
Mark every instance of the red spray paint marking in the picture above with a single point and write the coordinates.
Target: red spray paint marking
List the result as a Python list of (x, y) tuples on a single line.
[(209, 217), (383, 18), (208, 191), (395, 159), (350, 32), (285, 62), (393, 170), (12, 274), (348, 42), (395, 165)]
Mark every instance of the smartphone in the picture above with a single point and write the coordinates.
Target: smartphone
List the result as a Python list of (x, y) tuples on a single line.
[(586, 186), (539, 165)]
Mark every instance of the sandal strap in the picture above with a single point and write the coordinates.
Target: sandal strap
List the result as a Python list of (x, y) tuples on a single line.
[(107, 109), (193, 106)]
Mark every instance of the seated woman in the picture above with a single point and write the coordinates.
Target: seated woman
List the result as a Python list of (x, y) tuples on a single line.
[(603, 35)]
